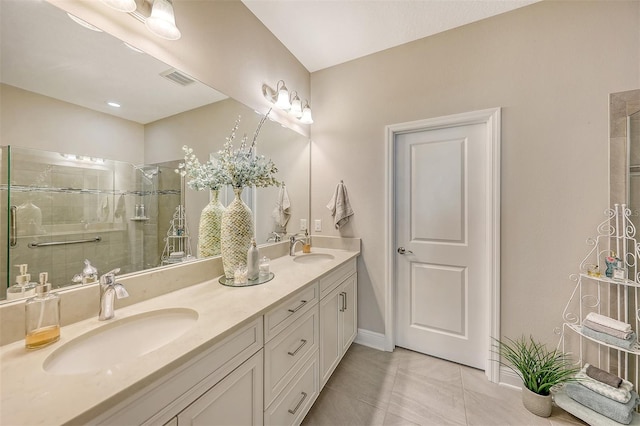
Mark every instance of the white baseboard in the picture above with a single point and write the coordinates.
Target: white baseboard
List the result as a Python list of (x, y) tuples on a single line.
[(509, 378), (371, 339)]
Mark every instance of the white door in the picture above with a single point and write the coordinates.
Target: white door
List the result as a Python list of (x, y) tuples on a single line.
[(442, 284)]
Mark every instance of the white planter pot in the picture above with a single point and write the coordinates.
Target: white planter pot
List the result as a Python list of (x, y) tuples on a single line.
[(540, 405)]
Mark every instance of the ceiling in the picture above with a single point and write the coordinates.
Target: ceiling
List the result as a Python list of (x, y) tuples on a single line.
[(43, 51), (323, 33)]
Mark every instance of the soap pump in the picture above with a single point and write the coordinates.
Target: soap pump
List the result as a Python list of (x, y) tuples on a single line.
[(253, 261), (42, 316), (23, 287), (306, 246)]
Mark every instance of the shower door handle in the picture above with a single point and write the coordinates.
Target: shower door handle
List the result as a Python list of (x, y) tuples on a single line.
[(13, 227)]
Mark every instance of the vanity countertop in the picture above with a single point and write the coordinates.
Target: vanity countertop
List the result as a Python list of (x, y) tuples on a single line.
[(31, 396)]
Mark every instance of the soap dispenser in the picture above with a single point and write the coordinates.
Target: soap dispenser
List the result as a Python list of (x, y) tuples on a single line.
[(23, 287), (306, 246), (253, 261), (42, 316)]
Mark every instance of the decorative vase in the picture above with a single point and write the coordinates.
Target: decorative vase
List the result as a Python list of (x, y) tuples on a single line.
[(209, 228), (540, 405), (236, 233)]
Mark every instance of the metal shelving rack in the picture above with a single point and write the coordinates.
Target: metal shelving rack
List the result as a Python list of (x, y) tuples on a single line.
[(178, 240), (618, 299)]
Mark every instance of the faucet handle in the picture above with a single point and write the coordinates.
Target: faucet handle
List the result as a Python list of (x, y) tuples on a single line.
[(121, 292), (109, 277)]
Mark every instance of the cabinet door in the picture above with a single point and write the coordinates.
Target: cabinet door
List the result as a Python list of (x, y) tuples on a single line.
[(330, 340), (236, 400), (349, 311)]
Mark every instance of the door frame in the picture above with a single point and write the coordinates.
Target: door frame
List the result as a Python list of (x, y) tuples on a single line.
[(490, 117)]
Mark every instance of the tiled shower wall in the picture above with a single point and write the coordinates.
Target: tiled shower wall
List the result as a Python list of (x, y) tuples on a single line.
[(62, 200)]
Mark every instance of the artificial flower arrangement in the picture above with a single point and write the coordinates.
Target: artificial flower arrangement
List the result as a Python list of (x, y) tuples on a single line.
[(240, 167)]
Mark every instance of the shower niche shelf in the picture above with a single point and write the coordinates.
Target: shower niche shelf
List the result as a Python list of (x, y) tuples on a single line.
[(617, 299)]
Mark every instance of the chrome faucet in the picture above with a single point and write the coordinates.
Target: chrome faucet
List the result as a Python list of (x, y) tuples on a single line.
[(293, 240), (275, 237), (108, 289)]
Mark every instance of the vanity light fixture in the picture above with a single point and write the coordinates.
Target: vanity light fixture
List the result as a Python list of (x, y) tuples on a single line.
[(282, 100), (296, 105), (157, 15), (306, 114), (288, 101), (162, 21), (127, 6)]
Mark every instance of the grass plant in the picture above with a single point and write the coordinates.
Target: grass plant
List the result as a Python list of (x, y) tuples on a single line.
[(539, 368)]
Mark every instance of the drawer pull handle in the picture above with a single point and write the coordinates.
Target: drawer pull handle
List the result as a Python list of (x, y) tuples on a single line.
[(304, 396), (304, 342), (297, 308), (344, 301)]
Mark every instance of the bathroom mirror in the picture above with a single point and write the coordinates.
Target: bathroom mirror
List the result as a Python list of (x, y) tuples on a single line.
[(67, 141)]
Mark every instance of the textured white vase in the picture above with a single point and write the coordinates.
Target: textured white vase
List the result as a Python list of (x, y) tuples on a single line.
[(540, 405), (209, 227), (236, 233)]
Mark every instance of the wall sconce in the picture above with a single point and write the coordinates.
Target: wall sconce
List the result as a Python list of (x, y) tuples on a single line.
[(158, 18), (286, 101)]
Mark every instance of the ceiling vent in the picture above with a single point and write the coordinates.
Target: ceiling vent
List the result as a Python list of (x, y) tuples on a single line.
[(177, 77)]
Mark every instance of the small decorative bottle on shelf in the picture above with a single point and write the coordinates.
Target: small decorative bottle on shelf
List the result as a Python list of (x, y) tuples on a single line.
[(619, 271)]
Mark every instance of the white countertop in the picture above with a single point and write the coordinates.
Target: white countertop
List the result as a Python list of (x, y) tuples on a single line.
[(31, 396)]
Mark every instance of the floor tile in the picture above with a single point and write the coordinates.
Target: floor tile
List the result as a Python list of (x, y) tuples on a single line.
[(406, 388), (334, 408)]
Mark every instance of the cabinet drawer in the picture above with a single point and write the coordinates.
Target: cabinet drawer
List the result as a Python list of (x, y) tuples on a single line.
[(332, 279), (288, 311), (291, 406), (285, 354)]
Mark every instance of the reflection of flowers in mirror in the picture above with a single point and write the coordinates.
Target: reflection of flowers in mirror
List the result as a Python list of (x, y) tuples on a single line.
[(240, 167)]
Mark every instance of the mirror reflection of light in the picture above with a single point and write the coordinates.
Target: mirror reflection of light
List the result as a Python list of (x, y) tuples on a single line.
[(76, 157), (113, 104), (135, 49), (84, 23)]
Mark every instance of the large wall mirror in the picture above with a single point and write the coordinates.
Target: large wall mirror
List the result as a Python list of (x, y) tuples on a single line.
[(82, 179)]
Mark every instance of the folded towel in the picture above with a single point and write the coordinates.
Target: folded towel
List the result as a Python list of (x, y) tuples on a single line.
[(608, 322), (609, 339), (608, 330), (603, 376), (282, 211), (622, 413), (621, 394), (339, 206)]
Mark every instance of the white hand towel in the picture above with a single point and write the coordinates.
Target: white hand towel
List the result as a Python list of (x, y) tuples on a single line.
[(282, 212), (340, 206), (608, 322)]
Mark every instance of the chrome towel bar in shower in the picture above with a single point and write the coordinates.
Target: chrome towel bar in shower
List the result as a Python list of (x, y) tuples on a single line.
[(62, 243)]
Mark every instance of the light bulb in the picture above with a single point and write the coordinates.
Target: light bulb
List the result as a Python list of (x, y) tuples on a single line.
[(282, 101), (296, 107)]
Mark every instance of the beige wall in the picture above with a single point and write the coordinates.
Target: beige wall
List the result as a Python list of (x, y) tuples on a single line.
[(223, 45), (551, 67), (34, 121)]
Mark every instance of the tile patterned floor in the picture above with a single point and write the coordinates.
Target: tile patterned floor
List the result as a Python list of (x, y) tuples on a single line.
[(371, 387)]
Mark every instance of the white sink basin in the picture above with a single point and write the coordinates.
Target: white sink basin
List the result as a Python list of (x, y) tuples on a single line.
[(120, 340), (313, 258)]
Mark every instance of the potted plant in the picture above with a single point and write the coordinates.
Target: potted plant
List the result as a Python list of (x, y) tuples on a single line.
[(539, 368)]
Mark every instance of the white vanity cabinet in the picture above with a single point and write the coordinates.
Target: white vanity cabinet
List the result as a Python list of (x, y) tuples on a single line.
[(338, 317), (224, 385), (291, 382)]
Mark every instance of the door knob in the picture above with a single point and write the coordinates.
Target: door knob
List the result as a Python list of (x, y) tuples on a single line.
[(402, 250)]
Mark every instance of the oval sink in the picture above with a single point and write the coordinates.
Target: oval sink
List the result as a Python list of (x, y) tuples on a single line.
[(120, 340), (313, 258)]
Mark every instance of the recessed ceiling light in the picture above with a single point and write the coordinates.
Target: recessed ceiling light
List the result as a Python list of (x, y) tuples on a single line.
[(113, 104), (84, 23), (135, 49)]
